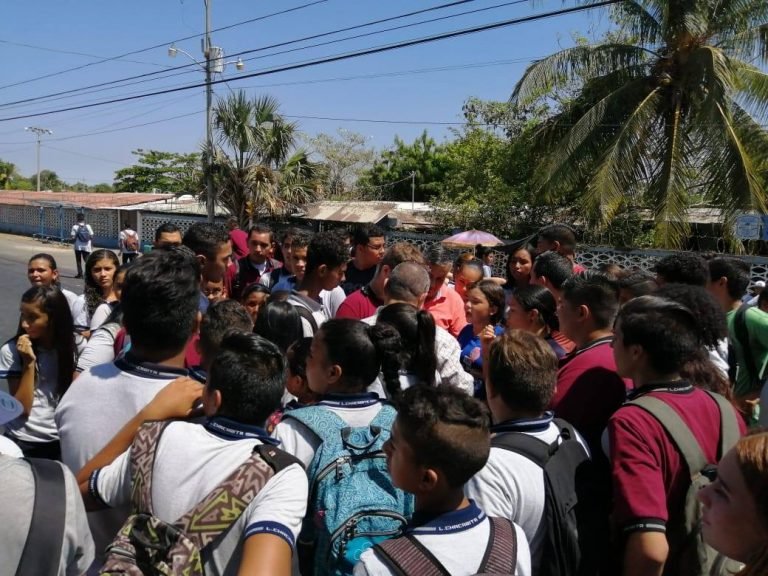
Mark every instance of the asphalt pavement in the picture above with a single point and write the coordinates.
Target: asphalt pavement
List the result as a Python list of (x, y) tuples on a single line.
[(15, 252)]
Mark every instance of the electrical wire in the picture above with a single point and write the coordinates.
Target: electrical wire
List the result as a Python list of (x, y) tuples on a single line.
[(155, 46), (335, 58)]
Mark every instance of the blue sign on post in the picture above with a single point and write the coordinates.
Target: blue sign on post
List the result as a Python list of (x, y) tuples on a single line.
[(748, 227)]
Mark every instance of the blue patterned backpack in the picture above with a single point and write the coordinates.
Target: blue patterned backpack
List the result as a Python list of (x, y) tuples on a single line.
[(352, 502)]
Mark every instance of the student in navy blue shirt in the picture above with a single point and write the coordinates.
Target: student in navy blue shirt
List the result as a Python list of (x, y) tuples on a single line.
[(484, 307)]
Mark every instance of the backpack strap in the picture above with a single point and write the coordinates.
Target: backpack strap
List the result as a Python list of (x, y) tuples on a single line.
[(407, 556), (521, 443), (729, 425), (143, 452), (678, 430), (223, 505), (741, 335), (308, 316), (501, 554), (46, 529)]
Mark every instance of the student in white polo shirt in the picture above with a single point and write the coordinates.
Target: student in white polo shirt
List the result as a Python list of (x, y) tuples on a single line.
[(159, 302), (522, 372), (440, 439), (245, 385), (72, 553)]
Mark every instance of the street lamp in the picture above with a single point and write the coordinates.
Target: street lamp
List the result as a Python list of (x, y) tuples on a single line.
[(214, 64), (39, 133)]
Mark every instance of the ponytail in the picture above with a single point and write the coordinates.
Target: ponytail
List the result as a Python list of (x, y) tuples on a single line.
[(424, 361), (388, 345)]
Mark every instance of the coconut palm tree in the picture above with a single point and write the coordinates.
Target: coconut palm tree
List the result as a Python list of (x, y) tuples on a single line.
[(669, 111), (257, 168)]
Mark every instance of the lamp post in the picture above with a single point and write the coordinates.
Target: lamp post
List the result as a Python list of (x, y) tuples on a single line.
[(214, 63), (39, 134)]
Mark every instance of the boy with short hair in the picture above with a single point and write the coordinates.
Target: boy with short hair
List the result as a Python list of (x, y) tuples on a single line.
[(441, 439), (654, 338), (210, 244), (326, 264), (222, 319), (520, 383), (191, 460)]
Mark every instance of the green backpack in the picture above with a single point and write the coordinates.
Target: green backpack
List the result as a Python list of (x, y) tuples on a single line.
[(146, 545), (695, 557)]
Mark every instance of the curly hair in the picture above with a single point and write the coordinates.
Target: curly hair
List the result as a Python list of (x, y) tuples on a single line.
[(94, 295)]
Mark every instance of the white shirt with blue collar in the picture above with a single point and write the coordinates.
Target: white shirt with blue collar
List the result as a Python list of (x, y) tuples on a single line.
[(512, 486), (355, 409), (458, 540), (192, 460)]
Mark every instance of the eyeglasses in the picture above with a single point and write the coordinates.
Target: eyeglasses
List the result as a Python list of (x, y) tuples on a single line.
[(213, 292), (377, 247)]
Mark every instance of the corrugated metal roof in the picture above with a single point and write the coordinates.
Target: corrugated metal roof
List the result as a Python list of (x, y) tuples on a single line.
[(79, 199), (366, 212)]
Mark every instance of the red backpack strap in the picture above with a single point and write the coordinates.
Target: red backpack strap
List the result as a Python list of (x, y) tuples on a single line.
[(501, 553), (406, 556), (223, 505), (143, 452)]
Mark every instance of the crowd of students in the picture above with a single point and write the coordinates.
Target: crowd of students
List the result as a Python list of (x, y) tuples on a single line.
[(251, 403)]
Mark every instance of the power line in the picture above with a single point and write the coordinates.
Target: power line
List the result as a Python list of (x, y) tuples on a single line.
[(132, 52), (86, 155), (187, 67), (336, 58), (72, 52)]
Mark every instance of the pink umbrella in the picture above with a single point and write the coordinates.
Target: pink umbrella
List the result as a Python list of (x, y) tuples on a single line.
[(470, 239)]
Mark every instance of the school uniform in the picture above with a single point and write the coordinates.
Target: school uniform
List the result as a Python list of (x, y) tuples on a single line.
[(457, 539), (16, 505), (193, 459), (39, 427), (100, 348), (512, 486), (650, 475), (96, 406), (319, 310), (355, 409)]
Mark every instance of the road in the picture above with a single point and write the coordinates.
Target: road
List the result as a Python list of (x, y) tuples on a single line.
[(15, 252)]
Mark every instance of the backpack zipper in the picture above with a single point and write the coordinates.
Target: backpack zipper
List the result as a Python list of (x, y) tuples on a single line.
[(336, 466), (348, 529)]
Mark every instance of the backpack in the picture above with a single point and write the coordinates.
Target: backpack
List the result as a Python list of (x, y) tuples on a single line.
[(131, 241), (148, 545), (83, 234), (45, 538), (406, 555), (695, 557), (352, 502), (573, 523)]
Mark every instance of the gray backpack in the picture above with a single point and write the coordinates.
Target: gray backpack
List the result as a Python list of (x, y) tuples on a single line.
[(695, 557)]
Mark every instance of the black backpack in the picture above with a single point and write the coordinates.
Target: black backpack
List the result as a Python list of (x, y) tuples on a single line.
[(574, 529)]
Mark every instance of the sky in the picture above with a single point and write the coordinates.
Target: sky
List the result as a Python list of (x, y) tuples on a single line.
[(406, 90)]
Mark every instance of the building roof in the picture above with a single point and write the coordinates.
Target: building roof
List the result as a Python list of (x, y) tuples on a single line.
[(368, 212), (88, 200)]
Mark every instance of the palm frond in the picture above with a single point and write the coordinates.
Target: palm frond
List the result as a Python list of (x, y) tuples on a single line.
[(753, 89), (639, 20), (667, 191), (621, 170), (573, 64)]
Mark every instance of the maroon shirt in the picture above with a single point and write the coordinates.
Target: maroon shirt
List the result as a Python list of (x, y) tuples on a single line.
[(360, 304), (650, 476), (589, 390)]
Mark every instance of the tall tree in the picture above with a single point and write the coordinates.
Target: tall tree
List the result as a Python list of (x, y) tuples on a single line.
[(390, 176), (342, 160), (258, 168), (668, 111), (161, 171)]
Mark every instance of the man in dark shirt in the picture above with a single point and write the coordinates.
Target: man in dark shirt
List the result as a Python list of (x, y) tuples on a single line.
[(368, 244)]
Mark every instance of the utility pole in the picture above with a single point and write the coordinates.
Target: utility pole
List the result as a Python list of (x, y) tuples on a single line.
[(210, 201), (39, 134), (413, 191)]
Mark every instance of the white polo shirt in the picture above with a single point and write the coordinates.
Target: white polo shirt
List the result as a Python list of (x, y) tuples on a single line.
[(39, 426), (458, 540), (96, 406), (100, 347), (355, 409), (86, 246), (319, 310), (16, 504), (193, 459), (512, 486)]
